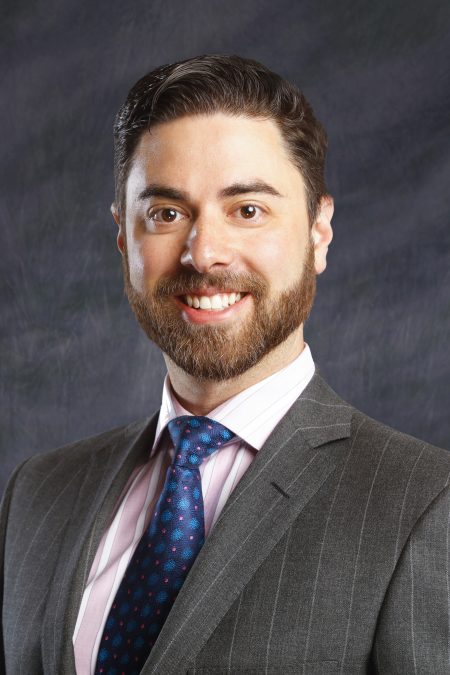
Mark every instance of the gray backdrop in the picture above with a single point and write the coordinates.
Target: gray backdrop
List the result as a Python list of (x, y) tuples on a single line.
[(74, 362)]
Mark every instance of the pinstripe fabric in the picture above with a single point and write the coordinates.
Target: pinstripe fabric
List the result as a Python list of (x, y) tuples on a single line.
[(251, 415), (331, 555)]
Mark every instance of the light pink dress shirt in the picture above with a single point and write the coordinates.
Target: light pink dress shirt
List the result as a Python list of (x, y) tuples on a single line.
[(251, 415)]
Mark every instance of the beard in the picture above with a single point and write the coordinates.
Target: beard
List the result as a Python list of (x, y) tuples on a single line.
[(226, 350)]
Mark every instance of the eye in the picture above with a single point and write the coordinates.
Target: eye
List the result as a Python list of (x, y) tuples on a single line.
[(165, 215), (249, 211)]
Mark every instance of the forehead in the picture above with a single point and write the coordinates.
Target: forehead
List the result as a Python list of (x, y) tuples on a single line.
[(214, 150)]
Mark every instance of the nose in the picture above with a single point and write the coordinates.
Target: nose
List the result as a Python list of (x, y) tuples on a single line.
[(209, 246)]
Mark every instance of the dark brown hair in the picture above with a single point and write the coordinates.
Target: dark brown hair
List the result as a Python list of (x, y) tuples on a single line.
[(230, 84)]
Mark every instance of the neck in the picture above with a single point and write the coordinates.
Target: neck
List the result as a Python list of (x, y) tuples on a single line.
[(199, 397)]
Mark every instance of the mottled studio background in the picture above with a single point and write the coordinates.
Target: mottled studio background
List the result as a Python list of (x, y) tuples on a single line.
[(73, 360)]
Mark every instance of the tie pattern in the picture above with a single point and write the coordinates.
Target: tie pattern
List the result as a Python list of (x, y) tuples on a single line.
[(165, 553)]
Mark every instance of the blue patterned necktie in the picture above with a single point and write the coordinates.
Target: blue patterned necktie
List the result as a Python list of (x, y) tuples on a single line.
[(165, 553)]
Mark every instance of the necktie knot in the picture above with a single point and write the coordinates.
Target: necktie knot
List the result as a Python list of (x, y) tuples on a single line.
[(195, 438)]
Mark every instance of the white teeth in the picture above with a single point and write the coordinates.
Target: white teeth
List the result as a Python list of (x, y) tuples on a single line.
[(213, 302), (216, 302)]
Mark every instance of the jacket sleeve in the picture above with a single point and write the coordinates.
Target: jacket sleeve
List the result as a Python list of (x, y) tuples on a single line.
[(413, 632), (4, 513)]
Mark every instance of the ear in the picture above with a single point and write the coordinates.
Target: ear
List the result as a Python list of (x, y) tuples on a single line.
[(322, 233), (120, 234)]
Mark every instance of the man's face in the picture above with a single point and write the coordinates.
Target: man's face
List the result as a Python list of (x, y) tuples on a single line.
[(216, 211)]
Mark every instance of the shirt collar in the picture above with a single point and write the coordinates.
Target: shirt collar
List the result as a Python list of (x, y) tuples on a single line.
[(253, 413)]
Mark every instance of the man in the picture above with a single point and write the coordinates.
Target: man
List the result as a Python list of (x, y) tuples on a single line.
[(258, 523)]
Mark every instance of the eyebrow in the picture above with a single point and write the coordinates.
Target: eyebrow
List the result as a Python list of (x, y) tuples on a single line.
[(167, 192), (252, 186)]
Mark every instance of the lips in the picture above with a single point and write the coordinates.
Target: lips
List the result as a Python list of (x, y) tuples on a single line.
[(204, 314)]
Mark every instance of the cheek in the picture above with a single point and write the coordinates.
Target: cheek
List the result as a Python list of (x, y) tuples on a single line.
[(279, 258), (150, 260)]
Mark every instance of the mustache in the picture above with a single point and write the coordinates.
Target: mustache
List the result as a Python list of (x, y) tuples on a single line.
[(186, 282)]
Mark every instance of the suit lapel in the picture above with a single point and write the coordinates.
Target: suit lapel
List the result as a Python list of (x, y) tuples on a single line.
[(254, 519), (110, 467)]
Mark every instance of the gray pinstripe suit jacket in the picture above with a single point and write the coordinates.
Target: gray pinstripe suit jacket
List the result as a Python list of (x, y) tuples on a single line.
[(330, 556)]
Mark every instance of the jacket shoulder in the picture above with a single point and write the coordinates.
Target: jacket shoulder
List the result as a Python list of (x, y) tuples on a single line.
[(369, 434), (387, 468), (373, 433), (71, 457)]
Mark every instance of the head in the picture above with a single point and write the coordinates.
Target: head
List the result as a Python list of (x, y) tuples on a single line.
[(219, 167)]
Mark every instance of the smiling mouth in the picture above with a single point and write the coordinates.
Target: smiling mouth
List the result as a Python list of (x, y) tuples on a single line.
[(216, 302)]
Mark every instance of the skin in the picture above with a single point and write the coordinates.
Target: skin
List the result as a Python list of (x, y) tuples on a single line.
[(209, 232)]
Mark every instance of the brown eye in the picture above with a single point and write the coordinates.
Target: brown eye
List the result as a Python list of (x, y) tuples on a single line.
[(248, 211), (165, 215), (168, 215)]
